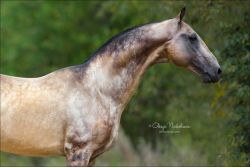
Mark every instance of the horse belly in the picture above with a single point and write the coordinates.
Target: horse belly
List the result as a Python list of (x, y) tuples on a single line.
[(31, 124), (29, 135)]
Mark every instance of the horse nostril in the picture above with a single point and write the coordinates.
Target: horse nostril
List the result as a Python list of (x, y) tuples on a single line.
[(219, 71)]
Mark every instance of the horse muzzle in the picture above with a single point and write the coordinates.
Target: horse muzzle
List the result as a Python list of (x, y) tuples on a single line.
[(212, 77)]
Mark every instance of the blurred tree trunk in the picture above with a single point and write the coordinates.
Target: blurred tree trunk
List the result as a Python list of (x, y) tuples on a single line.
[(146, 155), (127, 149)]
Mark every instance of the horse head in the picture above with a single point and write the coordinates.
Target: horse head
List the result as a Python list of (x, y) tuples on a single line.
[(185, 48)]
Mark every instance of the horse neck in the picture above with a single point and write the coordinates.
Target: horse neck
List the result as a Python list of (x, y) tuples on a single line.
[(116, 70)]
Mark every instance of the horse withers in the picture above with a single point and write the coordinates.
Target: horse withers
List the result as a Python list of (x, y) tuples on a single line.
[(76, 111)]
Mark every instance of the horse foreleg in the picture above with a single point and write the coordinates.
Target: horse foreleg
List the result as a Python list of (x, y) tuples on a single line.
[(78, 156)]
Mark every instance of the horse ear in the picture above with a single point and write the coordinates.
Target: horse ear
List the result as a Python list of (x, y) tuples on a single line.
[(181, 14)]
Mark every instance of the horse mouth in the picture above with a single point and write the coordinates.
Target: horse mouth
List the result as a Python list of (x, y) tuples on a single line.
[(204, 76)]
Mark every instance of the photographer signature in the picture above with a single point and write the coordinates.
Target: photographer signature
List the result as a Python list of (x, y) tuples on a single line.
[(169, 127)]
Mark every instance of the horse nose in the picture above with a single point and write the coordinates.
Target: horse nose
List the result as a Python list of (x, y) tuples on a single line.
[(219, 71)]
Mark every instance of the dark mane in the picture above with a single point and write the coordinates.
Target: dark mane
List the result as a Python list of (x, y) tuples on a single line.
[(120, 38), (116, 42)]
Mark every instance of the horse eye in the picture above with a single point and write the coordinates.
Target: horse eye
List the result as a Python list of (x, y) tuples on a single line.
[(192, 38)]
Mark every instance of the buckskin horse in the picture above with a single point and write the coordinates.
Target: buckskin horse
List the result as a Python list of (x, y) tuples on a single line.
[(76, 111)]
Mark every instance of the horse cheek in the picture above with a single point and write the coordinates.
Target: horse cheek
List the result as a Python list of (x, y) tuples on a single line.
[(178, 56)]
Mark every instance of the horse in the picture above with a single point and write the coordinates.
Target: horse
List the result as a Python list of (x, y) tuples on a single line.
[(75, 111)]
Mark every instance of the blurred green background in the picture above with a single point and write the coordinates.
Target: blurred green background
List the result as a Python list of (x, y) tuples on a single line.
[(38, 37)]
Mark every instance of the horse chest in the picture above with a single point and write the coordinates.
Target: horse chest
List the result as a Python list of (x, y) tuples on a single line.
[(106, 139), (92, 123), (106, 124), (106, 132)]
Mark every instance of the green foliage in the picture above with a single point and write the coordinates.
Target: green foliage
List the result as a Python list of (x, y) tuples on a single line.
[(236, 53)]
